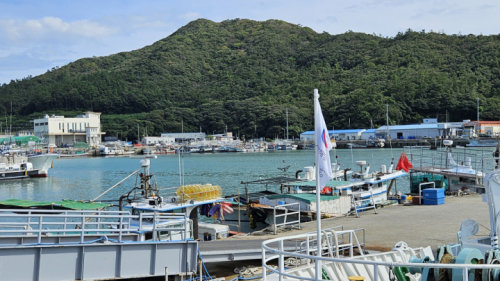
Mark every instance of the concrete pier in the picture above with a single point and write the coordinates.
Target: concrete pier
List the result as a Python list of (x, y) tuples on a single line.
[(417, 225)]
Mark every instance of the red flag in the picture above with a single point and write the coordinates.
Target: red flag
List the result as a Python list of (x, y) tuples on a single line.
[(404, 163)]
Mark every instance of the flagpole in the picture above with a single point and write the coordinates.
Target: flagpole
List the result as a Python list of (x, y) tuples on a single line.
[(318, 211)]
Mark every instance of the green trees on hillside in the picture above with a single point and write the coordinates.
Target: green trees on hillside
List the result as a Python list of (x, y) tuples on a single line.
[(245, 74)]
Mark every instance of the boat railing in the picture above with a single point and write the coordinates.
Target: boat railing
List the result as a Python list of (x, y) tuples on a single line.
[(289, 212), (478, 159), (86, 224), (315, 266)]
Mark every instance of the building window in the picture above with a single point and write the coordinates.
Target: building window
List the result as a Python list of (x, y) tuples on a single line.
[(59, 126)]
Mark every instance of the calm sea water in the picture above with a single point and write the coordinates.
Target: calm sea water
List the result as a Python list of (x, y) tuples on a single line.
[(86, 178)]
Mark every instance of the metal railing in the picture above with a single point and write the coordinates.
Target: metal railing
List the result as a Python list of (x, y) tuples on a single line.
[(280, 254), (422, 157), (285, 215), (42, 223), (311, 245)]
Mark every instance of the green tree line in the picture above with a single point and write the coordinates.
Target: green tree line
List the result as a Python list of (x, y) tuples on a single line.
[(245, 74)]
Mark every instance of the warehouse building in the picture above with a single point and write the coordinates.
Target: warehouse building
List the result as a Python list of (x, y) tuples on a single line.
[(420, 131), (352, 134), (180, 137)]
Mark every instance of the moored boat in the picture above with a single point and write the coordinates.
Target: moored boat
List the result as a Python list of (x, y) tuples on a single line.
[(42, 162)]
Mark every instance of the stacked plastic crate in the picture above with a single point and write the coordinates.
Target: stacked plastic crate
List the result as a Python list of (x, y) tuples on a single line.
[(433, 196)]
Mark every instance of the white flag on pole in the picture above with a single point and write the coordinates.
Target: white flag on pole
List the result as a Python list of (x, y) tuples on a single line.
[(323, 163)]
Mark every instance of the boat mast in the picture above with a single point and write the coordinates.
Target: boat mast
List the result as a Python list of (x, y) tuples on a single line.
[(287, 124), (387, 118), (478, 128), (10, 130)]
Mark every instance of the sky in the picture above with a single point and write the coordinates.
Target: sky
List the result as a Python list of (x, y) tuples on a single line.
[(36, 36)]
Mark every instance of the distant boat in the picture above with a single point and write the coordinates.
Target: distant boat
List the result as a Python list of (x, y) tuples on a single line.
[(74, 154), (353, 145), (483, 143)]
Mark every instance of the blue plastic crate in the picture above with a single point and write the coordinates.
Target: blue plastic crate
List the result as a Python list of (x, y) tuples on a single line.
[(433, 193), (433, 201)]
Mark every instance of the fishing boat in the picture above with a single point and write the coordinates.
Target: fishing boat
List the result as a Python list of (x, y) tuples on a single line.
[(110, 151), (145, 198), (375, 185), (355, 145), (456, 171), (285, 201), (42, 162), (483, 142), (74, 154), (19, 171)]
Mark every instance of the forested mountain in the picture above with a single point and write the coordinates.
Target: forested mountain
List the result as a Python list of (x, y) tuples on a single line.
[(244, 74)]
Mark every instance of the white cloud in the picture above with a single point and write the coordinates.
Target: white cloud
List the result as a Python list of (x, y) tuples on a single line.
[(50, 28)]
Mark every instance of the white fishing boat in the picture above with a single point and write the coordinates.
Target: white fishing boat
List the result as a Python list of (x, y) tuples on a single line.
[(110, 151), (145, 198), (482, 142), (42, 162), (375, 184), (457, 171), (18, 171)]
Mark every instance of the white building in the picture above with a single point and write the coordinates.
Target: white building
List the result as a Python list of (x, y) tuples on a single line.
[(227, 137), (352, 134), (60, 130), (157, 140), (184, 136), (418, 131)]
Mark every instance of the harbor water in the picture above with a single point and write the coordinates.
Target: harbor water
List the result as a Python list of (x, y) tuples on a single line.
[(86, 178)]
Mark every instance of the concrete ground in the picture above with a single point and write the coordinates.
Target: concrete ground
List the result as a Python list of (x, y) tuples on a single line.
[(417, 225)]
